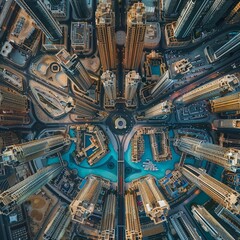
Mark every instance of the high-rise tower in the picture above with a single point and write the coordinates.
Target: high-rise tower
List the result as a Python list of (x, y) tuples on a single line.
[(81, 9), (43, 17), (189, 17), (84, 203), (212, 89), (228, 158), (216, 12), (13, 107), (133, 227), (228, 47), (107, 230), (210, 224), (12, 101), (159, 110), (154, 203), (227, 103), (17, 194), (132, 80), (136, 27), (28, 151), (75, 70), (105, 24), (109, 83), (57, 226), (218, 191)]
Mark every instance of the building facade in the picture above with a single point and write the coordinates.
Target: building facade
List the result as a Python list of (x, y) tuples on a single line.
[(210, 224), (109, 81), (136, 27), (74, 69), (24, 152), (226, 104), (132, 80), (19, 193), (218, 191), (229, 158), (133, 228), (105, 26), (218, 87), (107, 229), (43, 17)]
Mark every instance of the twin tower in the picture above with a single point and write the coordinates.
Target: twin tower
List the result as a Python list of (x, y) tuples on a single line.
[(136, 27)]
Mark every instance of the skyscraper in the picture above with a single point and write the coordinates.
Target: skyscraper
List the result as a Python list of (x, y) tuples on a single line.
[(234, 15), (218, 191), (105, 24), (84, 203), (109, 83), (43, 17), (171, 7), (19, 193), (228, 47), (226, 123), (160, 109), (107, 229), (28, 151), (58, 224), (190, 16), (183, 227), (227, 103), (133, 227), (228, 158), (216, 12), (154, 203), (164, 83), (84, 110), (12, 101), (136, 27), (81, 9), (218, 87), (210, 224), (75, 70), (132, 80)]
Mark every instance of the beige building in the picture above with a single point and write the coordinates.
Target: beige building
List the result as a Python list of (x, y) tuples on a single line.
[(133, 227), (227, 103), (81, 37), (136, 27), (20, 192), (234, 16), (74, 69), (84, 203), (226, 123), (229, 158), (160, 110), (220, 86), (13, 107), (109, 82), (154, 203), (107, 230), (132, 80), (218, 191), (28, 151), (105, 25)]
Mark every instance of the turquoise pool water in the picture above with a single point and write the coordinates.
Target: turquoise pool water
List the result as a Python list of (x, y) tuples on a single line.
[(101, 168), (137, 170), (107, 166), (156, 70)]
